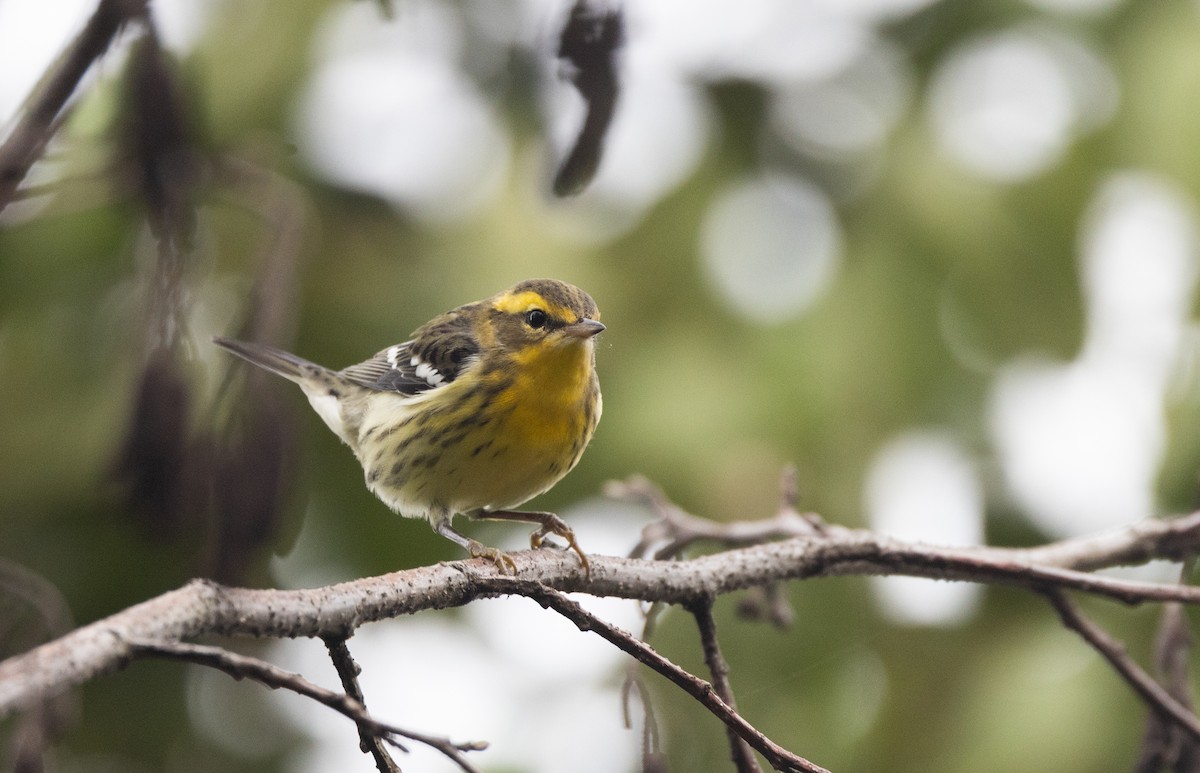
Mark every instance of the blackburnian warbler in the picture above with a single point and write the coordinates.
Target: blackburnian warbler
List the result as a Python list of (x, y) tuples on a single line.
[(487, 406)]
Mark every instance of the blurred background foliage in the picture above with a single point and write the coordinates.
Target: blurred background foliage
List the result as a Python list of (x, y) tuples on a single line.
[(940, 256)]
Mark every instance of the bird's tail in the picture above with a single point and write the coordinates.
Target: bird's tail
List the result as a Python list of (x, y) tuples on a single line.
[(275, 360)]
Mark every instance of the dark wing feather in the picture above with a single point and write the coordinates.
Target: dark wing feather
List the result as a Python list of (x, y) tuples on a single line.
[(389, 371), (439, 351)]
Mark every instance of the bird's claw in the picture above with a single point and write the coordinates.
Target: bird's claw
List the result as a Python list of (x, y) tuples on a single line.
[(556, 526), (503, 561)]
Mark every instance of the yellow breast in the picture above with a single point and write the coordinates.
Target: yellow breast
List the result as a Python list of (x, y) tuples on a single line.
[(517, 432), (547, 402)]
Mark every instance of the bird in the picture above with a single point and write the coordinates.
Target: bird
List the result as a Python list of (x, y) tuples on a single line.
[(483, 408)]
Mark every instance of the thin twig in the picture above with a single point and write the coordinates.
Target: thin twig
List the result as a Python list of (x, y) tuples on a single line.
[(1114, 652), (779, 757), (653, 758), (1154, 538), (678, 529), (1172, 539), (245, 667), (740, 751), (1164, 746), (347, 670), (789, 499)]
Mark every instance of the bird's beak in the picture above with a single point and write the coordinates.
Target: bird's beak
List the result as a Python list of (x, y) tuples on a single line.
[(584, 328)]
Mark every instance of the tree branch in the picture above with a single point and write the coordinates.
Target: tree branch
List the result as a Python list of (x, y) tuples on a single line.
[(740, 752), (1165, 746), (678, 529), (203, 607), (368, 740), (779, 757), (245, 667), (1155, 695)]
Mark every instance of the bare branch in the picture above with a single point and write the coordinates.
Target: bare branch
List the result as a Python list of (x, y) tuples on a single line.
[(1114, 652), (1164, 745), (779, 757), (246, 667), (203, 607), (679, 529), (743, 757), (1173, 539), (348, 671)]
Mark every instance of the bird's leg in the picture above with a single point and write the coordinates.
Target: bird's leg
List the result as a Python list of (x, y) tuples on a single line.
[(550, 523), (477, 549)]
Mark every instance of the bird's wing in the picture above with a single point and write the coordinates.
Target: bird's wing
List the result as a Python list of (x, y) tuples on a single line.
[(439, 351)]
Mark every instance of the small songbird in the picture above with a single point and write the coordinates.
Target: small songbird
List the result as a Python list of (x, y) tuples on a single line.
[(487, 406)]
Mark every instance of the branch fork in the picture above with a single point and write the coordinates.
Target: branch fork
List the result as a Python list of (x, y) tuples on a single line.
[(758, 555)]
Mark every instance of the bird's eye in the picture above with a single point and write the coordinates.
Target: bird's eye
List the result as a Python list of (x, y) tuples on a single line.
[(536, 318)]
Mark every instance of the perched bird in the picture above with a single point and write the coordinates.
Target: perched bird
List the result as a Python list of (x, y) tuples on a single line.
[(487, 406)]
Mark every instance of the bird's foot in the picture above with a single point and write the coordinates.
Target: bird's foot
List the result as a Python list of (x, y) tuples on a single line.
[(503, 561), (552, 524)]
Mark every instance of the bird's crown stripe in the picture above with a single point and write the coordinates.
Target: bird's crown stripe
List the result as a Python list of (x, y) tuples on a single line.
[(516, 303)]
